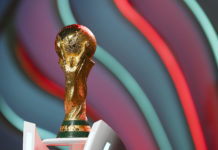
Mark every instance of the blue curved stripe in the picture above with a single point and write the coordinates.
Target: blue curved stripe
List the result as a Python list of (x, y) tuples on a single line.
[(21, 94), (206, 25), (18, 122), (13, 81), (4, 6), (126, 79), (133, 51)]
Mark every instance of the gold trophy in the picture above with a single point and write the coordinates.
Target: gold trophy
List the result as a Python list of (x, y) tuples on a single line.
[(75, 46)]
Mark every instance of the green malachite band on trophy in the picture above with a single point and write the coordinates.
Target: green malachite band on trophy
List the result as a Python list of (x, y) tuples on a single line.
[(75, 122), (72, 134)]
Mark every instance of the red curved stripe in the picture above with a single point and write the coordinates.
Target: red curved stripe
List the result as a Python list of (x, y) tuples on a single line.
[(173, 68), (43, 82)]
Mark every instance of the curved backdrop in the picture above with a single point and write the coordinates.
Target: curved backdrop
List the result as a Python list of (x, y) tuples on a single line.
[(134, 86)]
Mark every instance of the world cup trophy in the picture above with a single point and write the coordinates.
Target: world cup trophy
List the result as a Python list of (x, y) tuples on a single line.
[(75, 45)]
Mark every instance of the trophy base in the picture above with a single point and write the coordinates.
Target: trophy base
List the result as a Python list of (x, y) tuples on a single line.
[(74, 128)]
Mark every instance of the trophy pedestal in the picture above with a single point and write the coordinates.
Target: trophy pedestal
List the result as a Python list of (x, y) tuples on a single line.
[(32, 140), (102, 136), (73, 143)]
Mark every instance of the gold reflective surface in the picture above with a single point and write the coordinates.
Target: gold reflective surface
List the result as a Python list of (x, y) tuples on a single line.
[(75, 128), (75, 46)]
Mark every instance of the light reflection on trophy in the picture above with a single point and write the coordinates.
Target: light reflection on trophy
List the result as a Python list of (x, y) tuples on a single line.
[(75, 46)]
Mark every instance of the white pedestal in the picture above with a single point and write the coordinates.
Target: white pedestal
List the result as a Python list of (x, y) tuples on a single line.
[(32, 141), (73, 143), (101, 137)]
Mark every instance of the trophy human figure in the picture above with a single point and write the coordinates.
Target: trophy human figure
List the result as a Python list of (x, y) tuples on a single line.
[(75, 45)]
